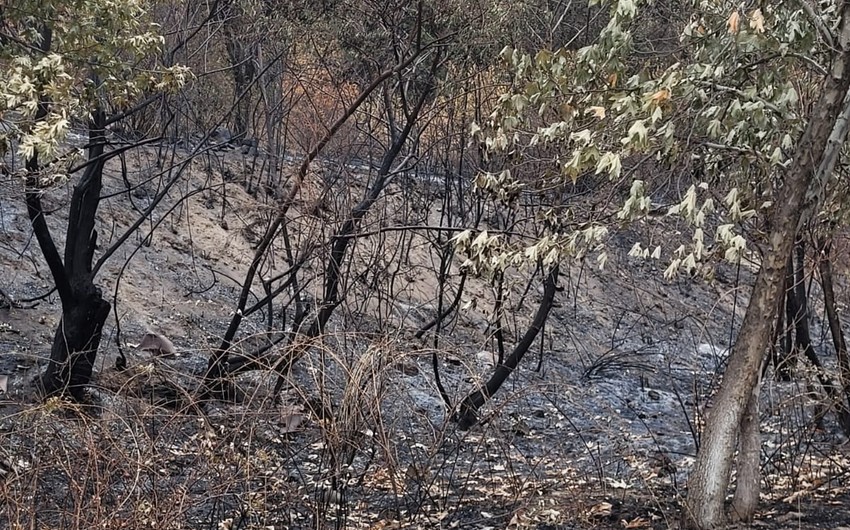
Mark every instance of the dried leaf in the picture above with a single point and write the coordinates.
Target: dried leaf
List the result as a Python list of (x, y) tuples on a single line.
[(757, 21), (618, 484), (603, 509), (734, 22), (637, 522), (599, 112), (661, 96), (4, 383)]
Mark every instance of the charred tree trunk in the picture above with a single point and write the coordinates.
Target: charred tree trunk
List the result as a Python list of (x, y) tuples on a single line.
[(799, 307), (76, 342), (244, 69), (84, 310), (825, 266), (467, 413), (803, 341), (787, 360), (778, 347)]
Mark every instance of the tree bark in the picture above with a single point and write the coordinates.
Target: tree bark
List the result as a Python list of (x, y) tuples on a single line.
[(780, 344), (84, 310), (788, 360), (803, 340), (75, 343), (467, 413), (243, 57), (710, 478), (748, 486), (800, 306), (825, 267)]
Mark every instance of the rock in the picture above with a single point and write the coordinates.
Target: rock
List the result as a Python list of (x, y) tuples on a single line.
[(157, 344)]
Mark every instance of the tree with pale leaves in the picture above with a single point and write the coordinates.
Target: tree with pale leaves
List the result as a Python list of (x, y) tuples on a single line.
[(89, 62), (747, 108)]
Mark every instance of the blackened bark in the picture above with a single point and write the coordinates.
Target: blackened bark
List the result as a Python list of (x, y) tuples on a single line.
[(84, 310), (777, 343), (442, 314), (787, 360), (445, 263), (75, 343), (825, 266), (243, 66), (467, 413), (804, 341), (497, 311)]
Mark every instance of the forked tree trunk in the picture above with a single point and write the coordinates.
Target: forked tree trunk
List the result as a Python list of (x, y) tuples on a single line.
[(84, 309), (709, 481)]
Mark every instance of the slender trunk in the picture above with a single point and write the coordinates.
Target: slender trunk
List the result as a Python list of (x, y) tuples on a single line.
[(804, 344), (467, 413), (243, 65), (803, 185), (825, 266), (802, 338), (445, 265), (748, 486), (244, 70), (497, 312), (442, 314), (788, 359), (777, 343)]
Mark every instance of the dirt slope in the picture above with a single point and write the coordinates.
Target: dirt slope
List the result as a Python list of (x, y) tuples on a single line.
[(593, 437)]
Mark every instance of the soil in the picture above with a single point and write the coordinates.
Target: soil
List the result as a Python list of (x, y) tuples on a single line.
[(596, 429)]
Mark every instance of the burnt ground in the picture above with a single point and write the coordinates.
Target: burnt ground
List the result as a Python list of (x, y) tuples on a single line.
[(596, 429)]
